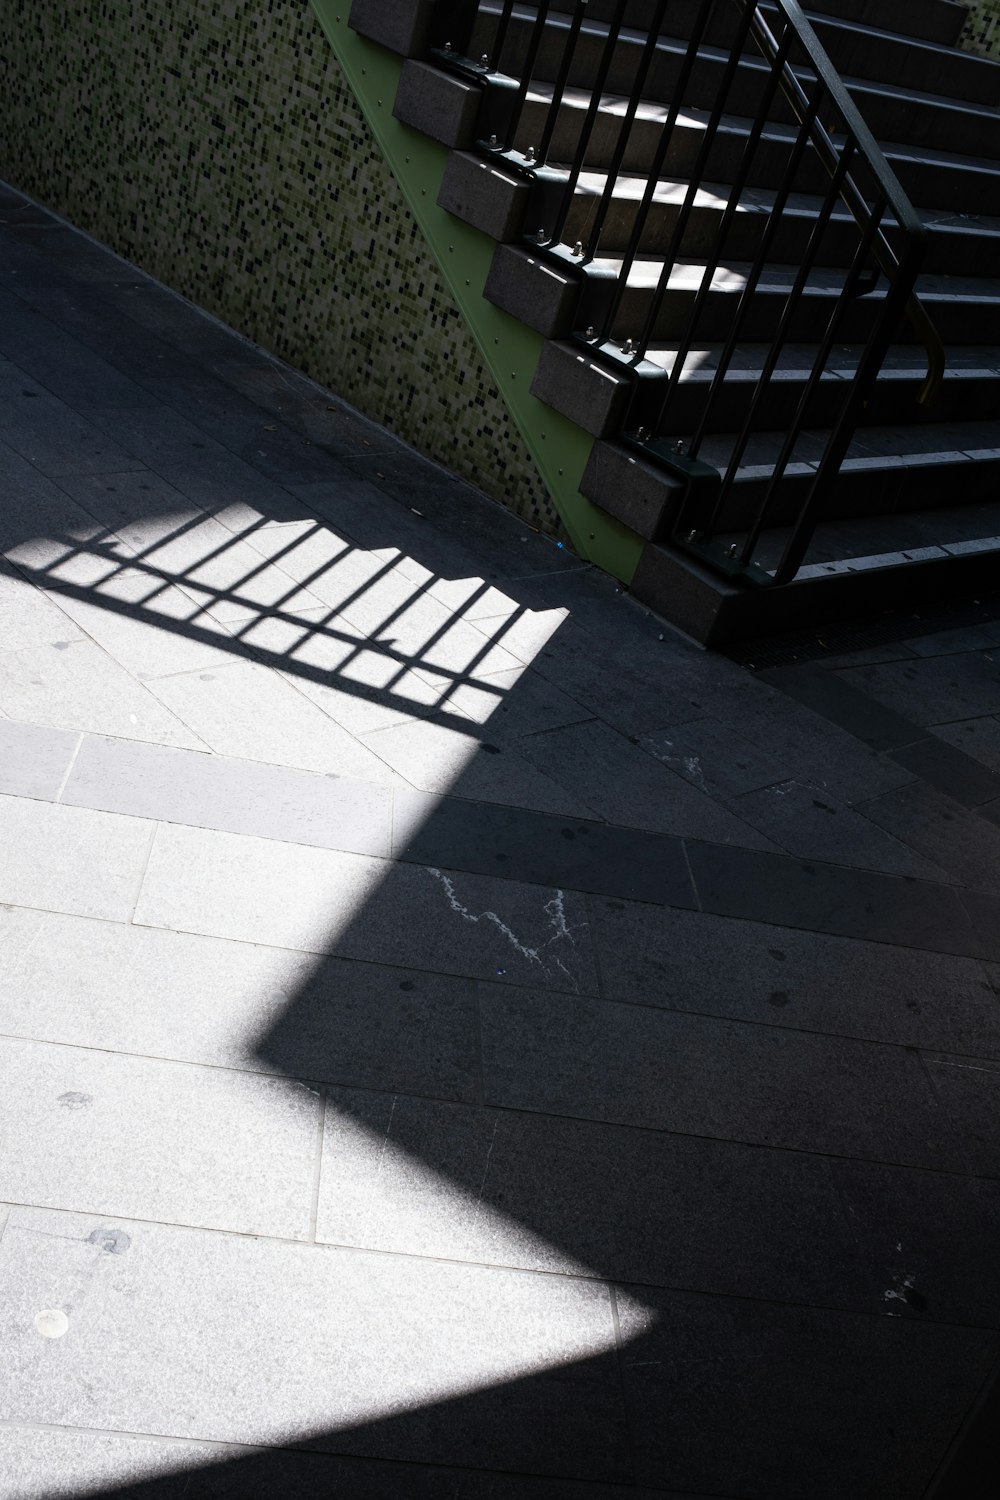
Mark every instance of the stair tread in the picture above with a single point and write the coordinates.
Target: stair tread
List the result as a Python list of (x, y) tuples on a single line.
[(862, 543), (930, 444), (731, 277), (631, 186), (976, 66), (859, 88), (965, 362), (649, 111)]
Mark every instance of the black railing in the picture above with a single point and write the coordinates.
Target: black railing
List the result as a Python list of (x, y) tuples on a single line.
[(625, 115)]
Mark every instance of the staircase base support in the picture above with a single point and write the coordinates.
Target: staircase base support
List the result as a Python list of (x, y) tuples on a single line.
[(715, 611)]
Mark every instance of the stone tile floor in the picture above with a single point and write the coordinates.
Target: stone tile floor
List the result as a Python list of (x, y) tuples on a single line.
[(458, 1040)]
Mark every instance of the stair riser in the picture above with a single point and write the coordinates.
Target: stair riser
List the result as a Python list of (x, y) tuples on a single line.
[(891, 118), (948, 186), (925, 20), (947, 253), (857, 54), (957, 322), (883, 491), (893, 403)]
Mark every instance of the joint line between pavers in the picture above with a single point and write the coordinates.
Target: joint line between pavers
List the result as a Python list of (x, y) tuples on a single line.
[(69, 768)]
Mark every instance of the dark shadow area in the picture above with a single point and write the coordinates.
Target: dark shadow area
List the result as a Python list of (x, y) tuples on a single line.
[(725, 1390)]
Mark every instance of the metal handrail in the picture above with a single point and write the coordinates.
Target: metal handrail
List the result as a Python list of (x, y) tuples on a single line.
[(827, 128), (904, 212)]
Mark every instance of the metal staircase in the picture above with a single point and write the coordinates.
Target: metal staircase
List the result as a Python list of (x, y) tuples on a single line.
[(784, 375)]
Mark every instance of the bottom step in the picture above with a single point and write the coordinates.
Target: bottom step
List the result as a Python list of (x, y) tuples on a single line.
[(853, 568)]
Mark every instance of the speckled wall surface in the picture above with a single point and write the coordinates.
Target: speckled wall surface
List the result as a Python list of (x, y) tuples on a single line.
[(982, 29), (216, 144)]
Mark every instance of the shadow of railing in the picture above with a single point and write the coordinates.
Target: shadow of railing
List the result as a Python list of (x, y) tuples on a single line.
[(384, 627)]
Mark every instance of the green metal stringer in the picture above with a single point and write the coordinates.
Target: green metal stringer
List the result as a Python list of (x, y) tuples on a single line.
[(510, 350)]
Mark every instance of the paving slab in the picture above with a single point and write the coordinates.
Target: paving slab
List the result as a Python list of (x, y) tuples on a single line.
[(978, 738), (819, 751), (435, 757), (776, 1390), (583, 855), (505, 1188), (830, 898), (27, 618), (34, 761), (242, 710), (762, 1085), (722, 966), (52, 1464), (71, 859), (57, 440), (147, 626), (619, 782), (810, 822), (205, 791), (715, 759), (907, 1226), (105, 1134), (939, 827), (318, 900), (76, 685), (951, 769), (146, 992), (936, 690), (969, 1091), (355, 1353)]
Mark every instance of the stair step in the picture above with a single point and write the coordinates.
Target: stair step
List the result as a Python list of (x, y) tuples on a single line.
[(890, 471), (924, 20), (948, 180), (877, 578), (863, 543), (960, 307), (887, 470), (892, 111), (971, 388), (960, 244), (860, 51)]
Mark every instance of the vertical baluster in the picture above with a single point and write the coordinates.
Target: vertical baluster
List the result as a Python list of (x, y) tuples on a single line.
[(503, 26), (732, 207), (591, 117), (647, 57), (774, 218), (842, 433), (562, 79), (528, 68), (659, 158), (711, 131), (781, 334), (815, 376)]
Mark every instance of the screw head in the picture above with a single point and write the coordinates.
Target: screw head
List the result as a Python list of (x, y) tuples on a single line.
[(529, 155), (680, 448), (692, 536), (733, 551), (484, 61), (494, 141), (578, 248), (628, 346), (591, 332)]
